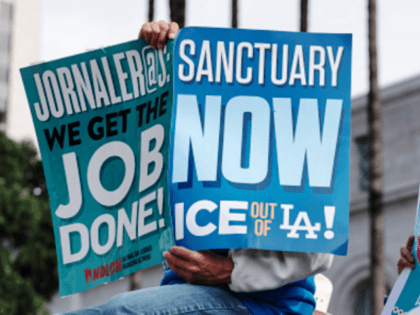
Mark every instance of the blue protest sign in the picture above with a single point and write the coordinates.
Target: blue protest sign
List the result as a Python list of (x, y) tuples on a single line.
[(260, 140), (102, 120), (405, 295)]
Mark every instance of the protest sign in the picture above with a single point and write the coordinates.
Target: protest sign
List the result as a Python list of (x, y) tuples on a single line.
[(405, 295), (102, 120), (260, 140)]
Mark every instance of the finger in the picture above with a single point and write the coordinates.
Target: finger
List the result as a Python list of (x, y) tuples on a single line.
[(407, 254), (174, 260), (189, 266), (185, 253), (410, 243), (418, 245), (399, 265), (187, 276), (173, 30), (155, 34), (175, 268), (402, 263), (406, 263), (187, 271), (146, 32), (163, 36)]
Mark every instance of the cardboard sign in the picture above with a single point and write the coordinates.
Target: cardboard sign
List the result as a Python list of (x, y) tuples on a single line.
[(405, 295), (102, 120), (260, 140)]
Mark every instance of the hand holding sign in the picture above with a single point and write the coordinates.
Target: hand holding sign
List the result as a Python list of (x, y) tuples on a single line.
[(405, 295), (407, 258), (204, 267), (157, 33)]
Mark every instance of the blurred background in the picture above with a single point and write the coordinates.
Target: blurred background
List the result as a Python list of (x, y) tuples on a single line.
[(33, 31)]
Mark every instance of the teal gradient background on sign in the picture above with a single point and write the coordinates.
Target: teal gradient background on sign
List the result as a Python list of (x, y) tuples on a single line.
[(153, 77)]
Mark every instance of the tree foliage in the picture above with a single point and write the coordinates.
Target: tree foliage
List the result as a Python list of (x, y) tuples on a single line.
[(28, 262)]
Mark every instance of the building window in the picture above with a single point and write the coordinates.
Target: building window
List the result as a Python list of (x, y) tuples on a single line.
[(5, 29), (4, 58), (5, 26), (6, 11), (362, 300), (4, 42), (3, 105), (2, 117), (4, 90), (4, 74), (363, 297), (6, 20), (362, 149)]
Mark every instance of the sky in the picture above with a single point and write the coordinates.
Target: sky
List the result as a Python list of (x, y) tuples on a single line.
[(75, 26)]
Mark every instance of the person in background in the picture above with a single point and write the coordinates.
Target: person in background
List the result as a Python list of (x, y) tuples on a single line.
[(236, 281)]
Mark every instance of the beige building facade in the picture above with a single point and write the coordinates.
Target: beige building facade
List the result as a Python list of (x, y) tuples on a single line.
[(401, 170), (20, 31)]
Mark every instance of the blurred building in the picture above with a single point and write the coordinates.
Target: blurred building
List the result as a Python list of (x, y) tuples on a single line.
[(401, 170), (20, 30)]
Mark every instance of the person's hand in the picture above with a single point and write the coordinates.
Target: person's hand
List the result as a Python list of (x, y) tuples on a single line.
[(157, 33), (203, 267), (406, 259)]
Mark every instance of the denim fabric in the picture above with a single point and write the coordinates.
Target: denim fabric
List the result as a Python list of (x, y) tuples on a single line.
[(170, 300), (296, 298)]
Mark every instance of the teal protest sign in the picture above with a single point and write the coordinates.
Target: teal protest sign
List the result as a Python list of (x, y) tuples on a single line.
[(405, 295), (102, 120), (261, 140)]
